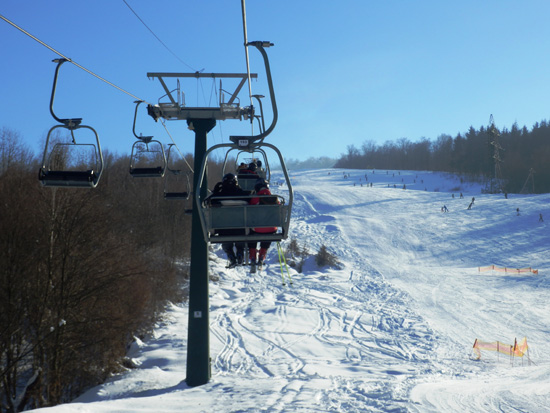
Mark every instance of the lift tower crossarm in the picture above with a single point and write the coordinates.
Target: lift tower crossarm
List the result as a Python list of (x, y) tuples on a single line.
[(172, 110)]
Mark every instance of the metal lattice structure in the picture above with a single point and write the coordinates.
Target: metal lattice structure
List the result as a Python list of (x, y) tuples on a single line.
[(496, 183)]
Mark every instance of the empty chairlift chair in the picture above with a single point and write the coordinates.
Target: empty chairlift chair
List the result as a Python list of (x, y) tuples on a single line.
[(147, 159), (176, 181), (76, 164)]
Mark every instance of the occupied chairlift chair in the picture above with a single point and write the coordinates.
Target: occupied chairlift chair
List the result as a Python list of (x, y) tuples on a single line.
[(238, 214), (147, 159), (248, 180), (176, 182), (76, 165)]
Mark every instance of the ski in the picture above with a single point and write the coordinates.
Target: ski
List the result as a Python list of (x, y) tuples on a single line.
[(282, 260)]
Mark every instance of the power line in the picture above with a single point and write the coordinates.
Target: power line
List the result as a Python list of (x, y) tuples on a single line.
[(153, 33)]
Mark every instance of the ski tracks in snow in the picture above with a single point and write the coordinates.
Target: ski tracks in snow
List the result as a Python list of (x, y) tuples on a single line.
[(347, 328)]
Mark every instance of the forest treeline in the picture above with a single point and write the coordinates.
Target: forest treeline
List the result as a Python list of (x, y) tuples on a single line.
[(82, 271), (471, 156)]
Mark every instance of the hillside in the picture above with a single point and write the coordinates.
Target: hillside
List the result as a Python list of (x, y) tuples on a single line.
[(392, 329)]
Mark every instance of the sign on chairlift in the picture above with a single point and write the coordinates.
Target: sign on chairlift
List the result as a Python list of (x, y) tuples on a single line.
[(243, 142)]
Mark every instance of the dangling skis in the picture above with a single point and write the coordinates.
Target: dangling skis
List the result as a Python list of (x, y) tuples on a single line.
[(282, 260)]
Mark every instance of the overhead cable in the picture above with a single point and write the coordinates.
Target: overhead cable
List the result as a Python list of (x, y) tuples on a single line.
[(153, 33), (181, 154), (68, 59)]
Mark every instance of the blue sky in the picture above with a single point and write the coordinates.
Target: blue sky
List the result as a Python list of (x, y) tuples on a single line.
[(344, 72)]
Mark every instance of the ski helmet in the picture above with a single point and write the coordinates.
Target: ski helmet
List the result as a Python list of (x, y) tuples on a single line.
[(229, 179)]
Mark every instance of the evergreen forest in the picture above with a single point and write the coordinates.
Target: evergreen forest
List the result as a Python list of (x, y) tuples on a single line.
[(523, 155)]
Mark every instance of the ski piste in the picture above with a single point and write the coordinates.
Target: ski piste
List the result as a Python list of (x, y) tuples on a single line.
[(257, 267)]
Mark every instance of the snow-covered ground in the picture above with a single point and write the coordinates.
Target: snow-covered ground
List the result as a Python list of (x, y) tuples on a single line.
[(391, 330)]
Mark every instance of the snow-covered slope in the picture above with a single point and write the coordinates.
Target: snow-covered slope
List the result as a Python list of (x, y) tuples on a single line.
[(392, 329)]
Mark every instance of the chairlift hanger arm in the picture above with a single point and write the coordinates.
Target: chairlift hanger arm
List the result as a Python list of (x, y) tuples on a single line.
[(69, 123), (261, 45), (145, 139)]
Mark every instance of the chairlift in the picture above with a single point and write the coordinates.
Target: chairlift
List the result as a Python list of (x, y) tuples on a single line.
[(147, 159), (70, 164), (176, 182), (247, 180), (233, 220)]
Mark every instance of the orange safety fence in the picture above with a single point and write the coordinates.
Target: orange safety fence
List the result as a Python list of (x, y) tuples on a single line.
[(505, 269), (515, 350)]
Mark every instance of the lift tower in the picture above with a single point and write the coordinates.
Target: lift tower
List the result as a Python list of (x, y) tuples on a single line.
[(201, 120)]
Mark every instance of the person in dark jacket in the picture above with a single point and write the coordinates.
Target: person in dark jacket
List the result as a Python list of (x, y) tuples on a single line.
[(229, 187)]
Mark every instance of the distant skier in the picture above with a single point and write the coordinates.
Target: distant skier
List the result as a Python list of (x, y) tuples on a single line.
[(517, 212), (540, 218), (444, 208)]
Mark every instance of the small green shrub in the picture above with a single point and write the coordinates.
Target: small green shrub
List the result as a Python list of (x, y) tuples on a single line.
[(324, 258)]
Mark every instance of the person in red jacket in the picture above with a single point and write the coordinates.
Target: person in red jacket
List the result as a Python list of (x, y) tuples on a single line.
[(255, 256)]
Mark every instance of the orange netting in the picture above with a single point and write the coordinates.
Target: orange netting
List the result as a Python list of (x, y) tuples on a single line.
[(505, 269), (515, 350)]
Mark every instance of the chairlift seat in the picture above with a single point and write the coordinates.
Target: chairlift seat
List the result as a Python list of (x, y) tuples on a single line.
[(77, 179), (176, 196), (153, 172)]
